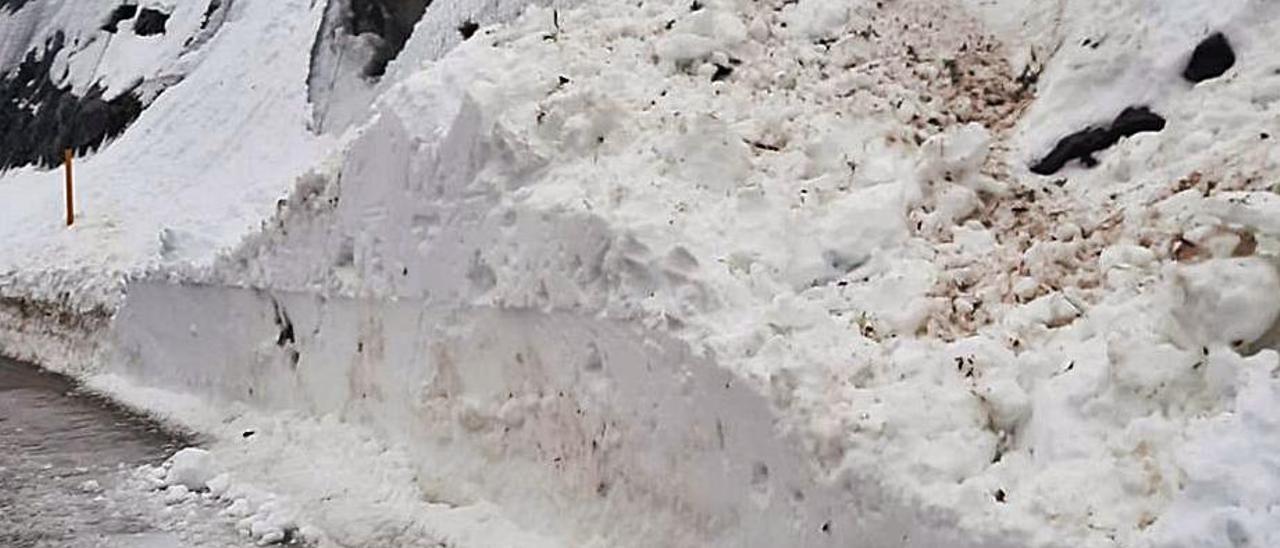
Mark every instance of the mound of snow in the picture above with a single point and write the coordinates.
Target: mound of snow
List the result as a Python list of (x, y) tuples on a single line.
[(729, 272), (191, 468)]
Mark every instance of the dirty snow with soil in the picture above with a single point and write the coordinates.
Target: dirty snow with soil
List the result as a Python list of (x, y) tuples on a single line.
[(827, 205)]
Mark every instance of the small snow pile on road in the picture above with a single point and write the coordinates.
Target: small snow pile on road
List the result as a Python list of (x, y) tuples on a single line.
[(190, 477), (317, 482), (191, 468), (261, 516)]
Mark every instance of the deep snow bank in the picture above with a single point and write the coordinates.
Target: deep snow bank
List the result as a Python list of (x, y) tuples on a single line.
[(810, 221), (590, 431), (796, 196)]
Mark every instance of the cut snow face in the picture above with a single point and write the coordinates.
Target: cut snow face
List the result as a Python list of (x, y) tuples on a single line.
[(824, 276), (1083, 144), (1211, 59), (824, 223)]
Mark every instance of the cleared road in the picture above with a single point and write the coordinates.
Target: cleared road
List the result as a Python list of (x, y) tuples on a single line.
[(66, 463)]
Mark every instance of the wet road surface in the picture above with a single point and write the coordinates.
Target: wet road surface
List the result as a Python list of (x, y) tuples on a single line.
[(66, 464)]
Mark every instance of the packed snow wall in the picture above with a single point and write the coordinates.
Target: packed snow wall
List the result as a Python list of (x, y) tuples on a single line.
[(587, 430), (60, 337), (404, 290), (907, 298), (1018, 268)]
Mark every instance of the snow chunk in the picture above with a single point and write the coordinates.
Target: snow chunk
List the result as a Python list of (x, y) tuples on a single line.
[(176, 494), (955, 155), (1125, 255), (191, 468), (1228, 301), (817, 19), (219, 484), (684, 48), (1232, 485)]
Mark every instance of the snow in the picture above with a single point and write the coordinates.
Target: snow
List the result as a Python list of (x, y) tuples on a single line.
[(189, 469), (309, 479), (90, 486), (1230, 498), (571, 278), (1228, 301), (203, 164)]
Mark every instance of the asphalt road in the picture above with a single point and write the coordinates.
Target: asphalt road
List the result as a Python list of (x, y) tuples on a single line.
[(66, 473)]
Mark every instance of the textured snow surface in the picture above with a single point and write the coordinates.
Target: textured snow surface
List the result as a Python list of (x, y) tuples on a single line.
[(567, 261), (291, 478)]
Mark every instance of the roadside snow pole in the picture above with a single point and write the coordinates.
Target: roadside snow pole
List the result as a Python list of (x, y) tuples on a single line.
[(66, 161)]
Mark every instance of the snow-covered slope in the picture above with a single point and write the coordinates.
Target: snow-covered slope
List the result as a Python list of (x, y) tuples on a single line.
[(747, 273), (223, 134)]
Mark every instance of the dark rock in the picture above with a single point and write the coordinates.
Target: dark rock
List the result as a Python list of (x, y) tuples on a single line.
[(122, 13), (392, 21), (1211, 59), (38, 119), (12, 6), (1135, 120), (150, 22), (468, 29), (356, 41), (722, 72), (1083, 144)]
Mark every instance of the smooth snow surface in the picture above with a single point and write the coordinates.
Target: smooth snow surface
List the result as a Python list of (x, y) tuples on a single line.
[(733, 273)]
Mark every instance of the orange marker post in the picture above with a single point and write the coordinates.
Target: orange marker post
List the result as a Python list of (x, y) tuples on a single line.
[(66, 161)]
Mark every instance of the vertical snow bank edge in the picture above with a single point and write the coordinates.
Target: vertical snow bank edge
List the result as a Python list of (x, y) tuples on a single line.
[(584, 429)]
